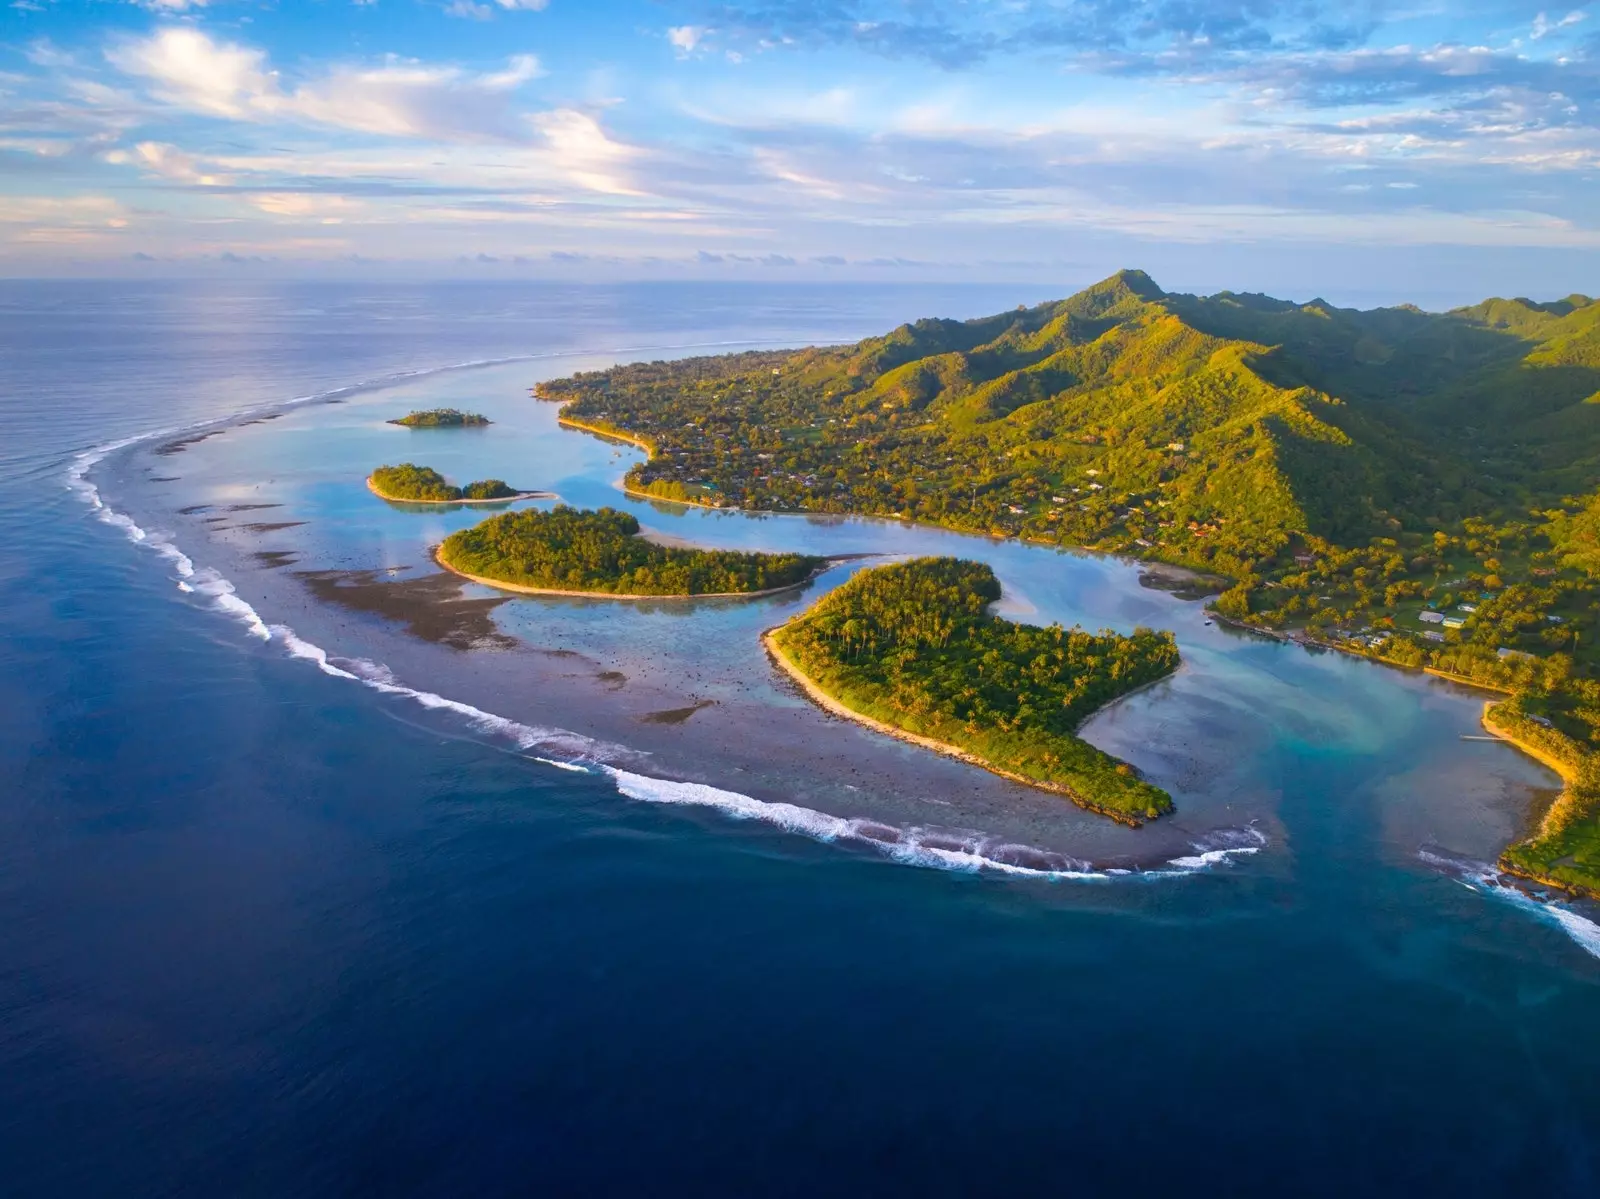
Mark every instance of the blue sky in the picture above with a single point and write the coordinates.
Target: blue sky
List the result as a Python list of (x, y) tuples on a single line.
[(1407, 148)]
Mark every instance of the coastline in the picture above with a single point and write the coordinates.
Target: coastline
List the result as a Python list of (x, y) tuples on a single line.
[(504, 499), (437, 553), (1561, 810), (828, 704), (625, 438)]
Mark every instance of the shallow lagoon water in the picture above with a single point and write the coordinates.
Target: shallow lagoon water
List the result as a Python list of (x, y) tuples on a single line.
[(682, 691), (271, 931)]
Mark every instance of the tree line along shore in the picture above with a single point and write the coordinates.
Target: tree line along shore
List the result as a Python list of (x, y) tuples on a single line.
[(410, 483), (908, 649), (911, 649), (1413, 487), (441, 418)]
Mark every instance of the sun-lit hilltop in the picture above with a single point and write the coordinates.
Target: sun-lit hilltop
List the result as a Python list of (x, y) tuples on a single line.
[(1420, 487)]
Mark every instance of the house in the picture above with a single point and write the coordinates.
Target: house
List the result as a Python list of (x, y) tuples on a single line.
[(1175, 446), (1092, 473), (1453, 622), (1432, 636), (1503, 653), (1431, 617), (1553, 619), (1305, 559), (1466, 607)]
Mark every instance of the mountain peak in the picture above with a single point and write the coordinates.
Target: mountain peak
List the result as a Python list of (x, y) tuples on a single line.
[(1136, 282)]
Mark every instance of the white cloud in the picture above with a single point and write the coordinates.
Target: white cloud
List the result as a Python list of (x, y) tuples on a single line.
[(483, 12), (63, 211), (1542, 25), (171, 5), (44, 53), (582, 150), (686, 39), (167, 162), (194, 72), (189, 70), (300, 206)]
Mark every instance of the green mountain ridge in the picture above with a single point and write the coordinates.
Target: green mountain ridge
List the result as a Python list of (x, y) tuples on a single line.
[(1295, 419), (1419, 487)]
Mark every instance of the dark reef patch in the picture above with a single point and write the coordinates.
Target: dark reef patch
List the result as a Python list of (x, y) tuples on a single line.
[(430, 607), (676, 715)]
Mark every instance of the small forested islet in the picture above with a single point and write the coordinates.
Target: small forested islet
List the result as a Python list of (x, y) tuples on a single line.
[(566, 549), (423, 484), (913, 646)]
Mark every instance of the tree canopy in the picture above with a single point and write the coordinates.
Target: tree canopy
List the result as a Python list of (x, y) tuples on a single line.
[(422, 483), (433, 418), (566, 549), (913, 645)]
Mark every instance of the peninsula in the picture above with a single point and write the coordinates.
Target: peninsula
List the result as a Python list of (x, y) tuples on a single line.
[(1413, 487), (911, 650), (412, 484), (566, 551), (440, 418)]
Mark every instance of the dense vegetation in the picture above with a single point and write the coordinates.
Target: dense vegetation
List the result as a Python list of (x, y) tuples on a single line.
[(411, 482), (912, 645), (1413, 486), (570, 550), (434, 418), (1565, 849)]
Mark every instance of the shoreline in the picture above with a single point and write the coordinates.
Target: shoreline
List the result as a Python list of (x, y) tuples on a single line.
[(834, 707), (437, 554), (596, 430), (504, 499), (1567, 797)]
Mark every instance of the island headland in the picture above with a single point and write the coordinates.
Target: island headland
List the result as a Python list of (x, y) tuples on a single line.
[(1409, 486), (441, 418), (600, 553), (408, 483), (909, 649)]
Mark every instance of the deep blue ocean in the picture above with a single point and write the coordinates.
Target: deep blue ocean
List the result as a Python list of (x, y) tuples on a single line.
[(264, 932)]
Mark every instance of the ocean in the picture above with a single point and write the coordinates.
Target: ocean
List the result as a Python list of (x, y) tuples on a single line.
[(319, 879)]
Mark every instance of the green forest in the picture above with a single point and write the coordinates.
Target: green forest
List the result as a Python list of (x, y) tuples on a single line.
[(913, 645), (1423, 488), (566, 549), (440, 418), (411, 482)]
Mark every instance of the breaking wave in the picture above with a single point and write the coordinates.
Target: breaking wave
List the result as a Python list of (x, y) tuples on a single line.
[(1487, 880), (565, 750)]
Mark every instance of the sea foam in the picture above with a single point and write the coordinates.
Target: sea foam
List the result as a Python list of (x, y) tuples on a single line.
[(1485, 879), (566, 750)]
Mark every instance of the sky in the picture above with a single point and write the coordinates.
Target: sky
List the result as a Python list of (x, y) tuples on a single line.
[(1405, 149)]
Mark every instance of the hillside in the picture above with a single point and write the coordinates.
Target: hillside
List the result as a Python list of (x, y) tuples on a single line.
[(1219, 430), (1418, 487)]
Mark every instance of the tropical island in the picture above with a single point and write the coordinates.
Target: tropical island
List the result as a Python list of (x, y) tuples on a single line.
[(440, 418), (910, 649), (412, 484), (1415, 487), (566, 551)]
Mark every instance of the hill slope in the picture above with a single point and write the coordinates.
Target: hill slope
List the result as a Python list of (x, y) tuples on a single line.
[(1419, 487)]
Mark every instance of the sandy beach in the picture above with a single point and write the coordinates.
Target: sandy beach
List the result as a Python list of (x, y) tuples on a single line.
[(825, 701), (521, 589), (504, 499)]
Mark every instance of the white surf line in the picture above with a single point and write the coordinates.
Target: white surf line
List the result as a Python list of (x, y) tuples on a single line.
[(913, 847), (1484, 879)]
